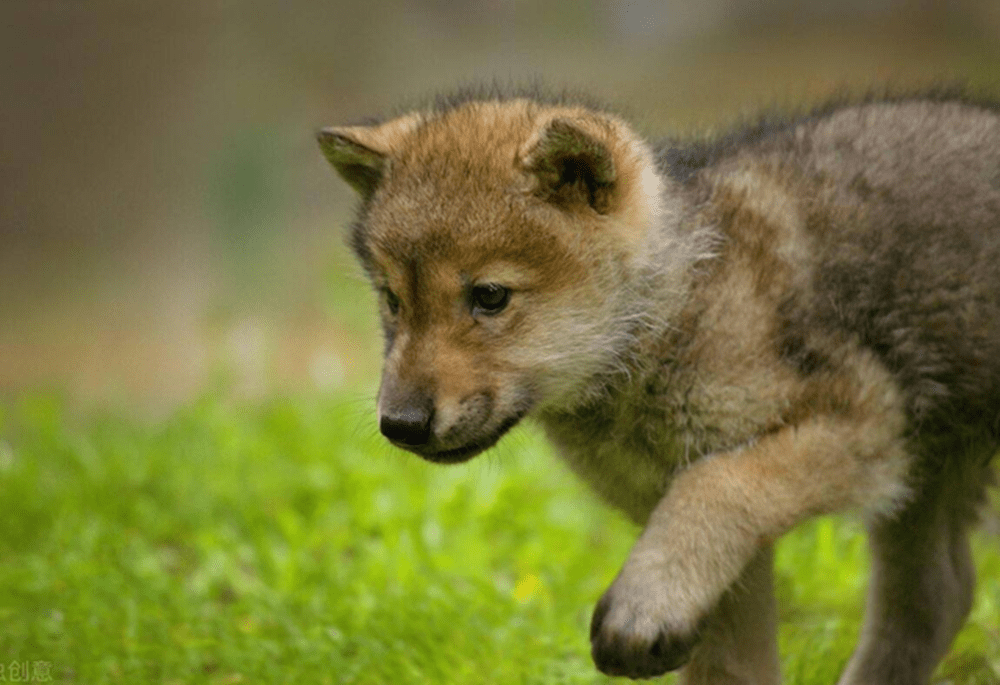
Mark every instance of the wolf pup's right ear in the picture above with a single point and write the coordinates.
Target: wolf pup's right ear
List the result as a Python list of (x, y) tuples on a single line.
[(361, 166), (573, 167)]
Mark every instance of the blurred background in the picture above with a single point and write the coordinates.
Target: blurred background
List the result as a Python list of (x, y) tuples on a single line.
[(167, 223)]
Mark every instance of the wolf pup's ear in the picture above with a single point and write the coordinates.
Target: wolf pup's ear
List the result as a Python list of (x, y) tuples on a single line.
[(361, 166), (573, 168)]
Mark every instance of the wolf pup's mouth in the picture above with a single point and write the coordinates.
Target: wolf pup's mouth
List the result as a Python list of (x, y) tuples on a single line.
[(457, 455)]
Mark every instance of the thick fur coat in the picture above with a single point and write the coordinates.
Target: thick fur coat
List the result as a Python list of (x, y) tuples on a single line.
[(724, 337)]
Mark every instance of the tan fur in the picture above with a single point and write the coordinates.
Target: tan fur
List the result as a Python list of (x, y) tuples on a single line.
[(708, 344)]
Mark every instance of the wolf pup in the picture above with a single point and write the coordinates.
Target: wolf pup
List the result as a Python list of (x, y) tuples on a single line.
[(725, 337)]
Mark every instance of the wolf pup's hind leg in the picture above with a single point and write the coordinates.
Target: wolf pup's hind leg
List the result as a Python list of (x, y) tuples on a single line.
[(922, 578)]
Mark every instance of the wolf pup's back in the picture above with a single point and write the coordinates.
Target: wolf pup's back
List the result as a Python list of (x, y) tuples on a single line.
[(725, 337)]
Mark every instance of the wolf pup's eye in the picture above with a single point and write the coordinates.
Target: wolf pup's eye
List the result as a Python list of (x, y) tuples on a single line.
[(490, 298), (392, 301)]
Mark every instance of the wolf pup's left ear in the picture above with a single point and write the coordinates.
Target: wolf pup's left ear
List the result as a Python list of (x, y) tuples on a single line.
[(573, 167), (361, 166)]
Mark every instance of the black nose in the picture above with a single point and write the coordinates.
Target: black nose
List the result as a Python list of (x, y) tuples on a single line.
[(409, 425)]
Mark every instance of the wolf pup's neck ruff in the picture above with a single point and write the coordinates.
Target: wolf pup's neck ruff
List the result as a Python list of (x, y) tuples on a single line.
[(810, 302)]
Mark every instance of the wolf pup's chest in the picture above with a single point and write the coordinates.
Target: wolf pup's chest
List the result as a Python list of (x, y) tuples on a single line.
[(628, 460), (629, 445)]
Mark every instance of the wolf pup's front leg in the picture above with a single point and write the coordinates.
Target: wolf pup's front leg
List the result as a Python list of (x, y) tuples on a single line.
[(657, 609), (737, 643), (720, 514)]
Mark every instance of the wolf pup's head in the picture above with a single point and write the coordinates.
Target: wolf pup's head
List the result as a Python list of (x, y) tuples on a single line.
[(503, 237)]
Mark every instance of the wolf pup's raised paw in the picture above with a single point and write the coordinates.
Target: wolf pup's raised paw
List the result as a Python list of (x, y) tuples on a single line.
[(628, 639)]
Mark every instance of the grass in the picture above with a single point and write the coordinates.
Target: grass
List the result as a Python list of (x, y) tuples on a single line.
[(284, 543)]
